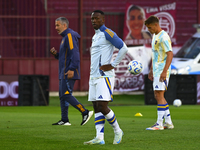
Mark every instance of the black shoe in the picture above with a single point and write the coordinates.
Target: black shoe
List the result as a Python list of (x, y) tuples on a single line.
[(87, 117), (67, 123)]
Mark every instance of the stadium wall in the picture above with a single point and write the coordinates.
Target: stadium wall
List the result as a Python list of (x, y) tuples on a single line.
[(27, 31)]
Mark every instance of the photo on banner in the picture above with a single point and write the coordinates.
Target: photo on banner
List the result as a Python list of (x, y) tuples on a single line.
[(135, 33), (134, 28)]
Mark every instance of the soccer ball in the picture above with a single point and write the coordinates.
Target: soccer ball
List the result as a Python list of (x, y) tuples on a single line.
[(135, 67), (177, 103)]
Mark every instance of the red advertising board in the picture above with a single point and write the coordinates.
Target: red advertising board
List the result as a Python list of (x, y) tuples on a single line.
[(136, 33)]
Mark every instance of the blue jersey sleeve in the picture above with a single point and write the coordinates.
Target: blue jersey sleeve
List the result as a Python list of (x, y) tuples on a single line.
[(113, 38), (73, 52)]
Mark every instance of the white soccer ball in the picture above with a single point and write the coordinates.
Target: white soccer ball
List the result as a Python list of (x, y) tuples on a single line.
[(135, 67), (177, 103)]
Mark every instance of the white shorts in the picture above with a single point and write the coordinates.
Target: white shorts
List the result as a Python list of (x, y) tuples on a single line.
[(160, 86), (101, 89)]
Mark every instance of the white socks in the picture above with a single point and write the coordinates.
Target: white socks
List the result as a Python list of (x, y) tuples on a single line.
[(163, 112), (168, 116), (113, 121), (99, 125)]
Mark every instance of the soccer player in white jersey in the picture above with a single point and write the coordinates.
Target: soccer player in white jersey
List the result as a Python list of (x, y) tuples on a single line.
[(160, 71), (102, 76)]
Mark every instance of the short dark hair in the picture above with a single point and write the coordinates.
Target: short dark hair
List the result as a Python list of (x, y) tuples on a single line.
[(151, 19), (63, 20), (99, 11)]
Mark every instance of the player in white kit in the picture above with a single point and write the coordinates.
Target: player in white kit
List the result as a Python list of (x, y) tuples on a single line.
[(102, 76), (160, 71)]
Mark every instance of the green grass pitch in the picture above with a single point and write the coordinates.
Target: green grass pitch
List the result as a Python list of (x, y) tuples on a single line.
[(29, 127)]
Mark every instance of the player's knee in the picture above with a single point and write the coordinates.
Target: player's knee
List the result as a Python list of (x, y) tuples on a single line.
[(95, 106), (66, 97), (101, 108), (104, 109), (98, 107), (158, 95)]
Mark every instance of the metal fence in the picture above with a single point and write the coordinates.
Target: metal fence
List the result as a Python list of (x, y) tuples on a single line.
[(27, 27)]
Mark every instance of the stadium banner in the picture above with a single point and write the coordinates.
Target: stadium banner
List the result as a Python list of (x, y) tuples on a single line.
[(9, 90), (124, 80), (136, 33)]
